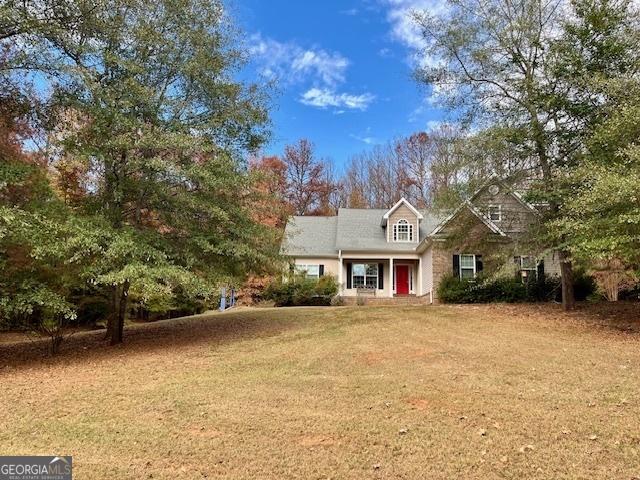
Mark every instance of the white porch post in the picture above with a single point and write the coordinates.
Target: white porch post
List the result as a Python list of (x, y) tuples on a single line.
[(340, 285), (390, 277), (419, 282)]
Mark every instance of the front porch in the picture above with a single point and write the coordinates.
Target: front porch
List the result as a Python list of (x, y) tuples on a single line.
[(380, 277)]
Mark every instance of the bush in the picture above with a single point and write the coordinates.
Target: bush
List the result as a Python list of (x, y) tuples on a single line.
[(583, 285), (479, 290), (301, 291)]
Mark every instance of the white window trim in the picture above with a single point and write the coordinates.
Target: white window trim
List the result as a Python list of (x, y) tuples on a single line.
[(466, 268), (523, 269), (353, 283), (303, 268), (410, 231), (499, 207)]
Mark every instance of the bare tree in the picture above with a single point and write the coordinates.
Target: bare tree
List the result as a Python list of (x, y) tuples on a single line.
[(304, 177)]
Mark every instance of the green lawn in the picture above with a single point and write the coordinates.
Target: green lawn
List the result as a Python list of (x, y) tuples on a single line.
[(345, 393)]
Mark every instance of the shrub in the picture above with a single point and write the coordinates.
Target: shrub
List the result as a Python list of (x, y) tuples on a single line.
[(583, 285), (479, 290), (453, 290), (301, 291)]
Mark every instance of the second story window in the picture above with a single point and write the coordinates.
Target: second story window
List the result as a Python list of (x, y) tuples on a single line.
[(495, 213), (403, 231)]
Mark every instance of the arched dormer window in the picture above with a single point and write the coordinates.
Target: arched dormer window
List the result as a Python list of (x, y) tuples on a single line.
[(402, 231)]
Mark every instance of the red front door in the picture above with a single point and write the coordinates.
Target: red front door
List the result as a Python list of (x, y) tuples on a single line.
[(402, 279)]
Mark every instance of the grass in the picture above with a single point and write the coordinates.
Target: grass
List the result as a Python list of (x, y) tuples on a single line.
[(349, 393)]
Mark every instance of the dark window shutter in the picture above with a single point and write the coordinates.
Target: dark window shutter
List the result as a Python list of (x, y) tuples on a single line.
[(456, 266), (348, 275), (321, 270), (381, 276), (479, 264), (541, 269), (516, 261)]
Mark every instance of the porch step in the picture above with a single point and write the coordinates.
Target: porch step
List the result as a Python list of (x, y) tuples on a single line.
[(395, 300)]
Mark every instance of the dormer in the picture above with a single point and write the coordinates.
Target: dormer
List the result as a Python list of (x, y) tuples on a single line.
[(402, 223)]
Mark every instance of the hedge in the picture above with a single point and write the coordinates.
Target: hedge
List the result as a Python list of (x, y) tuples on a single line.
[(301, 291), (479, 290)]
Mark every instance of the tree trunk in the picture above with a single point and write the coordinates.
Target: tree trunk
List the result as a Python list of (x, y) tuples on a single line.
[(566, 277), (115, 329), (566, 269)]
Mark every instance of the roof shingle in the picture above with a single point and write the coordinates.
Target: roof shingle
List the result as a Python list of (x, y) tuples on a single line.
[(352, 229)]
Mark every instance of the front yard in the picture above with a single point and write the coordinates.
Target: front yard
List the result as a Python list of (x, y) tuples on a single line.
[(349, 393)]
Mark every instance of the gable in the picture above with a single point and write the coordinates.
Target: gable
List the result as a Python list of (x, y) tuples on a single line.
[(465, 217), (516, 215), (466, 222), (403, 202), (402, 213)]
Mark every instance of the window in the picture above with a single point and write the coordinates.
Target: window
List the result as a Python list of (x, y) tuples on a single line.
[(403, 231), (310, 271), (495, 213), (364, 275), (467, 266), (528, 267)]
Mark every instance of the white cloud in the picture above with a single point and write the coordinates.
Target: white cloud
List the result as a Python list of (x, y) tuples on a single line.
[(329, 67), (320, 72), (323, 98), (290, 63), (367, 140), (404, 28)]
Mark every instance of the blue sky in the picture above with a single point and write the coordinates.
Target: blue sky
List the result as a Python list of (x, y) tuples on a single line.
[(343, 69)]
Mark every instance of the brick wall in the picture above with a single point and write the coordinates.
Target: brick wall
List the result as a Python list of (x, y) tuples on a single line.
[(442, 258)]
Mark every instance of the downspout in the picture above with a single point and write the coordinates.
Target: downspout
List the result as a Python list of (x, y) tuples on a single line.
[(340, 267)]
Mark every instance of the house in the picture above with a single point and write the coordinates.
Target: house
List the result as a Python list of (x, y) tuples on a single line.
[(402, 253)]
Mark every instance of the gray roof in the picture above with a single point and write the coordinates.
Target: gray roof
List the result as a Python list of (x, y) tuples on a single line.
[(310, 236), (352, 229), (359, 229)]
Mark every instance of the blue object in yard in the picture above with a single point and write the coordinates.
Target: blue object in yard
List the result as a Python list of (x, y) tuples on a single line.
[(223, 299), (232, 299)]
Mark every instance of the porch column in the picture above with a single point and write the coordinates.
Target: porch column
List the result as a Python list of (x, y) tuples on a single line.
[(340, 285), (390, 282), (419, 279)]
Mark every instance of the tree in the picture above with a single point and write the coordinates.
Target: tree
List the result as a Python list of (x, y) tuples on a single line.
[(270, 184), (162, 129), (492, 62), (306, 180), (598, 66), (601, 217)]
